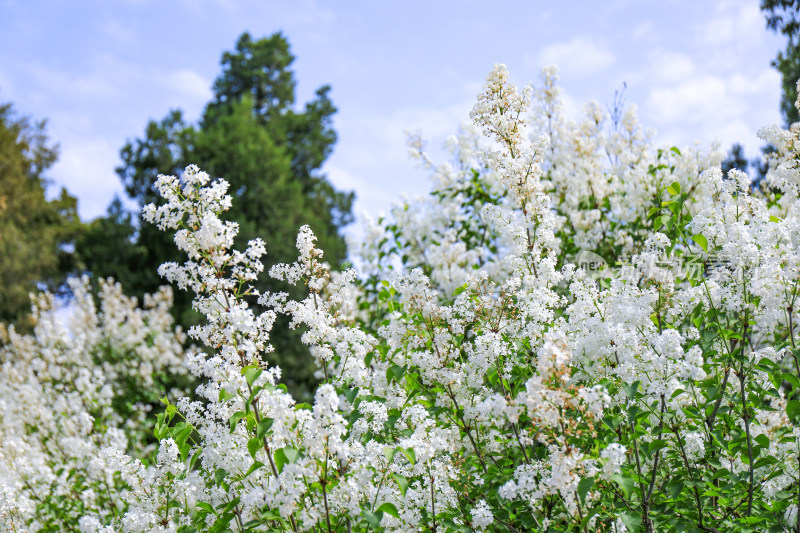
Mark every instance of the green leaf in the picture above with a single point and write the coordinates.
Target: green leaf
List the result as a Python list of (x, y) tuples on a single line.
[(793, 410), (205, 506), (657, 223), (194, 458), (402, 483), (675, 207), (701, 240), (253, 445), (389, 452), (584, 486), (291, 454), (161, 431), (351, 394), (625, 483), (221, 523), (263, 427), (280, 460), (272, 514), (255, 466), (654, 446), (250, 421), (254, 392), (674, 189), (251, 374), (230, 506), (395, 372), (674, 489), (284, 456), (219, 476), (632, 520), (762, 440), (792, 379), (631, 389), (180, 434), (389, 509), (410, 455), (675, 149), (235, 419), (773, 218), (224, 395), (373, 519)]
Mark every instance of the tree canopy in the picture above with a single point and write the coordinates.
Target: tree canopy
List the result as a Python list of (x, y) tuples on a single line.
[(35, 233), (253, 135), (783, 16)]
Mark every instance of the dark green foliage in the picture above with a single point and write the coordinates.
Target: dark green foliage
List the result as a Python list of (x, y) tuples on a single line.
[(760, 165), (784, 16), (35, 234), (164, 148), (119, 245), (734, 159), (260, 69), (252, 135), (788, 63)]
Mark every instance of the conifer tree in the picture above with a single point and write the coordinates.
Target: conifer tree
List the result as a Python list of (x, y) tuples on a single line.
[(253, 135)]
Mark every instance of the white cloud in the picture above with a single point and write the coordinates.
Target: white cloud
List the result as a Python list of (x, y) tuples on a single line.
[(710, 97), (644, 30), (382, 137), (696, 99), (733, 35), (729, 107), (120, 33), (6, 88), (716, 83), (578, 57), (342, 178), (107, 79), (733, 21), (671, 67), (371, 156), (85, 168), (88, 85), (765, 82), (189, 84), (371, 194)]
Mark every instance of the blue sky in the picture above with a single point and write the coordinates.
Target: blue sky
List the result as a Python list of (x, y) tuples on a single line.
[(99, 70)]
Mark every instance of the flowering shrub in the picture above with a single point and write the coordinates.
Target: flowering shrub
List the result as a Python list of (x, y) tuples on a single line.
[(69, 393), (573, 332)]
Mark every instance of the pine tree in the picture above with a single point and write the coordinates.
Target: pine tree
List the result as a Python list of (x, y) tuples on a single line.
[(36, 234), (252, 135), (783, 16)]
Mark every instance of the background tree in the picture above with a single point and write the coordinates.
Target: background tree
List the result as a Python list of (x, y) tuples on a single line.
[(252, 135), (734, 159), (783, 16), (35, 233), (117, 245)]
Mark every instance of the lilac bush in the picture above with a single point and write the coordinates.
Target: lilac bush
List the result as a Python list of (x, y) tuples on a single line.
[(476, 373)]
